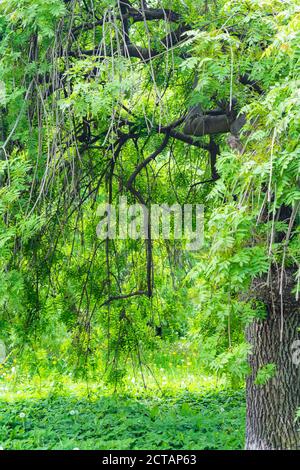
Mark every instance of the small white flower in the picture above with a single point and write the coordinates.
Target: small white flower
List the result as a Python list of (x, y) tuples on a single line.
[(22, 415), (73, 412)]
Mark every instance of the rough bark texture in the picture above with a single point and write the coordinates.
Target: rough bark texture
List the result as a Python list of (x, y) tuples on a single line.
[(200, 125), (203, 125), (271, 408)]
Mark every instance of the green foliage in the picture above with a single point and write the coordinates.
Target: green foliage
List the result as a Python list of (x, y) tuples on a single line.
[(188, 421), (76, 120)]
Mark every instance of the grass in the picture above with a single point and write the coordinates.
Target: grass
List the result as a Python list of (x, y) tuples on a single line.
[(186, 421), (182, 408)]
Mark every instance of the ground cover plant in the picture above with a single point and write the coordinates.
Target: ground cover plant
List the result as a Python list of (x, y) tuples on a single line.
[(173, 421)]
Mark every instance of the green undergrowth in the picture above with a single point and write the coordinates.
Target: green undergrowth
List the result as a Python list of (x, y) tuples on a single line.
[(182, 407), (162, 420)]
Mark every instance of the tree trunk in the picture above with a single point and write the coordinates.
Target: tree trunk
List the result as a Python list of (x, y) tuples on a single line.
[(272, 407)]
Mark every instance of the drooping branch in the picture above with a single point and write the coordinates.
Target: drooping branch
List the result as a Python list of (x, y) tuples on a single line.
[(128, 49), (150, 14), (186, 139), (136, 193), (175, 134), (145, 162), (124, 296), (127, 16), (134, 15), (214, 151), (246, 80), (196, 125)]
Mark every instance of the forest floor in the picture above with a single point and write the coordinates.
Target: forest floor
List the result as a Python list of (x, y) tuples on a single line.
[(182, 408), (211, 420)]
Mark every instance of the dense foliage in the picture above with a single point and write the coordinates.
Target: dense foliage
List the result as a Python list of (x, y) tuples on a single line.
[(89, 91), (210, 421)]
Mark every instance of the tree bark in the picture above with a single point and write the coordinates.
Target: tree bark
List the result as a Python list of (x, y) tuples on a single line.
[(272, 407)]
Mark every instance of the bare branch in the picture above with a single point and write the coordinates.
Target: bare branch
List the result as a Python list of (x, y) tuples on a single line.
[(144, 163)]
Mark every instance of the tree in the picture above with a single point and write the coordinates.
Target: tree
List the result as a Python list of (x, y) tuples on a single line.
[(100, 92)]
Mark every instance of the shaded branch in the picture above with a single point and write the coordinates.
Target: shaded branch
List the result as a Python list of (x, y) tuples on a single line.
[(144, 163), (200, 125), (246, 80), (135, 15), (124, 296), (150, 14)]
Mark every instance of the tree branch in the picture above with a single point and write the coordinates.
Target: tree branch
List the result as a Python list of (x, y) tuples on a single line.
[(124, 296), (200, 125), (144, 163), (151, 14), (136, 16)]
